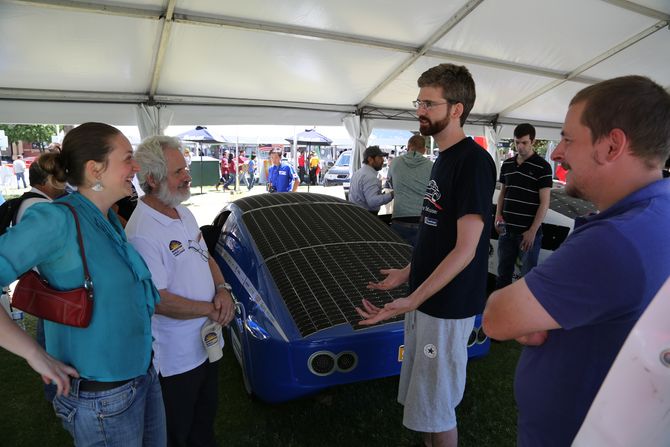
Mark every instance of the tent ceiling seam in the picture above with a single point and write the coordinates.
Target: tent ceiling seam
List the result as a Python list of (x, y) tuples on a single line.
[(149, 13), (132, 98), (162, 47), (125, 11), (454, 20), (587, 65), (509, 66), (640, 9)]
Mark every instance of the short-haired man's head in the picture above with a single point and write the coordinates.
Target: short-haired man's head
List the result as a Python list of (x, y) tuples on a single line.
[(417, 143), (40, 172), (37, 175), (524, 129), (150, 155), (636, 105), (371, 152), (275, 155), (456, 82)]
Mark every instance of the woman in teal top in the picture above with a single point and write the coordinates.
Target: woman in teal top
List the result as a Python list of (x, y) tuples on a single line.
[(117, 399)]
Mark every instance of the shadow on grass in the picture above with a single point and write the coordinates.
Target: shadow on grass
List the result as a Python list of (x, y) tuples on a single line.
[(350, 415)]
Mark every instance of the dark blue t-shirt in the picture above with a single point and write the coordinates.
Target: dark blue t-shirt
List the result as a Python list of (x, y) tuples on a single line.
[(461, 182), (281, 177), (596, 286)]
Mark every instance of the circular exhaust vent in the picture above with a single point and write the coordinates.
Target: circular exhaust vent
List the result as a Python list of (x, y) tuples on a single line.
[(321, 363), (346, 361)]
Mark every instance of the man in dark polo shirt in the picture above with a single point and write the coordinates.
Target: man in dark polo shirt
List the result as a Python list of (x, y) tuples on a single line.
[(522, 204)]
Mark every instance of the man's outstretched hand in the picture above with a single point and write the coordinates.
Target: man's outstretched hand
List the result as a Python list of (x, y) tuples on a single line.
[(372, 314), (393, 279)]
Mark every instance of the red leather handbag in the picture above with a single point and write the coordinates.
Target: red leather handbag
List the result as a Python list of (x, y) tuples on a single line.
[(71, 307)]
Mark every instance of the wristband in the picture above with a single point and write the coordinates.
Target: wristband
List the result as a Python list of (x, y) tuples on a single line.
[(224, 285)]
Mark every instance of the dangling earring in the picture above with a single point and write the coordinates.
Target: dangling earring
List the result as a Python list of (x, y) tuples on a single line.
[(97, 186)]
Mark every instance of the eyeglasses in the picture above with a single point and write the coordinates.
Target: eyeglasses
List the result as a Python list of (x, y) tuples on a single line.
[(192, 245), (418, 104)]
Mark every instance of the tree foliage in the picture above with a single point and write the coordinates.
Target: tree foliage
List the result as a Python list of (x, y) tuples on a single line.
[(31, 133)]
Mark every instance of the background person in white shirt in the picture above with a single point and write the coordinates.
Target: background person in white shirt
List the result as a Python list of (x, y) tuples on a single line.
[(366, 187), (20, 170), (191, 286)]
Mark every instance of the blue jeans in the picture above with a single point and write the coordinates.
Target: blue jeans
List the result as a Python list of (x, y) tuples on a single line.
[(509, 251), (407, 231), (20, 176), (231, 180), (131, 415), (252, 180)]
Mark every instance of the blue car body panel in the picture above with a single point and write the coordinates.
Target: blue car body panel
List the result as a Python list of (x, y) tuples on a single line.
[(284, 343)]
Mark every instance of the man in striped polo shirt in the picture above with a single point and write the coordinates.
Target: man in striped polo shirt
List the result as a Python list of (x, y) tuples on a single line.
[(522, 204)]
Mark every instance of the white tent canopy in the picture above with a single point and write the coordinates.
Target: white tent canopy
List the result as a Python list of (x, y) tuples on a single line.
[(308, 62)]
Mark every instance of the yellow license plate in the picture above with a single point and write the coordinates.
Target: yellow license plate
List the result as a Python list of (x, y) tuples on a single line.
[(401, 352)]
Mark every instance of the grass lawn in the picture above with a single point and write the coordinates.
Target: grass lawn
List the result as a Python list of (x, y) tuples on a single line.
[(351, 415)]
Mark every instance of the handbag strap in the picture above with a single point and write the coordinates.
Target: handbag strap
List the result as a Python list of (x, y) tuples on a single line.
[(88, 283)]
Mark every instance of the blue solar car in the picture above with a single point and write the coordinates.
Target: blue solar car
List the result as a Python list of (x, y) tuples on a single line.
[(298, 265)]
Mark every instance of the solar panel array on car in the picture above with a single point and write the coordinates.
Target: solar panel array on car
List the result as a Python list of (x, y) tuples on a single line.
[(322, 252), (571, 207)]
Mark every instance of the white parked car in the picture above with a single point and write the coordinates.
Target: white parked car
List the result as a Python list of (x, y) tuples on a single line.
[(558, 223)]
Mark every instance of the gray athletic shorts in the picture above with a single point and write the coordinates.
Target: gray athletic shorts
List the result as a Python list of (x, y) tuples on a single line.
[(432, 376)]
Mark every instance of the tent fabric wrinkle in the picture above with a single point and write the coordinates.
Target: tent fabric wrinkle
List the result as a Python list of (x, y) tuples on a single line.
[(492, 136), (152, 120), (359, 130)]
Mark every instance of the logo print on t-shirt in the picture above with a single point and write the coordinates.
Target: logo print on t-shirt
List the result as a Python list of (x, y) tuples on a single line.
[(176, 248), (430, 350), (433, 194)]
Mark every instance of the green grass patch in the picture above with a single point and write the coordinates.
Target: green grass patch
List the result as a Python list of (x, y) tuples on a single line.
[(351, 415)]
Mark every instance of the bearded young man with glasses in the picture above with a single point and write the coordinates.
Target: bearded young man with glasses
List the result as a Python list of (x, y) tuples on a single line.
[(447, 275), (191, 287)]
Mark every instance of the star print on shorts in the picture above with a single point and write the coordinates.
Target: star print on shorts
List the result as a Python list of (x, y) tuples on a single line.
[(430, 350)]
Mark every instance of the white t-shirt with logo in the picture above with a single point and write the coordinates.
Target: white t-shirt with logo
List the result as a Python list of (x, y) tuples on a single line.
[(174, 252)]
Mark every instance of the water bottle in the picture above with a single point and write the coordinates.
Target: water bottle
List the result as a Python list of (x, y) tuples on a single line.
[(17, 316), (4, 301), (502, 228)]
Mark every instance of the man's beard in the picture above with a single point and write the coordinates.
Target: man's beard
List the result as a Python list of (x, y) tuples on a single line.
[(172, 199), (428, 128), (570, 188)]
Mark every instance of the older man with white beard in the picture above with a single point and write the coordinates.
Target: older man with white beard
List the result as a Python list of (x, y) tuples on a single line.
[(192, 289)]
